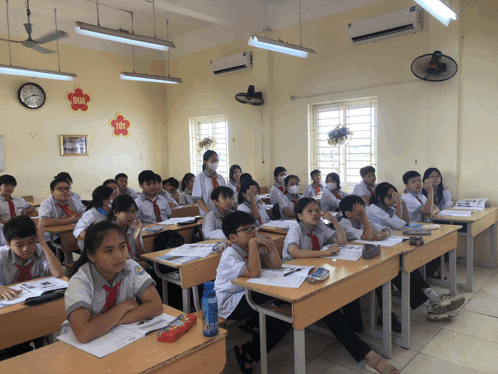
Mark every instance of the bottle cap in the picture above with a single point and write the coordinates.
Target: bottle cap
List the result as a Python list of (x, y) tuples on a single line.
[(209, 285)]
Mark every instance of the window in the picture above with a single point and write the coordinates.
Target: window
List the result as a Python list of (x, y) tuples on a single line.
[(360, 116), (214, 127)]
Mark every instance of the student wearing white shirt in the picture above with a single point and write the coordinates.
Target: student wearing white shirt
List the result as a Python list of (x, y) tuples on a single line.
[(96, 211), (151, 207), (332, 193), (114, 185), (421, 208), (171, 186), (160, 191), (442, 196), (245, 257), (206, 182), (222, 198), (187, 186), (249, 202), (11, 207), (67, 177), (122, 181), (365, 189), (387, 208), (316, 187), (234, 180), (287, 202), (277, 191)]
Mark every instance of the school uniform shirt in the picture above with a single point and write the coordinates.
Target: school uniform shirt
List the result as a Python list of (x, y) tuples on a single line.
[(2, 238), (263, 215), (76, 196), (211, 227), (131, 246), (235, 187), (361, 189), (385, 216), (168, 197), (287, 201), (312, 190), (7, 211), (86, 289), (300, 236), (414, 203), (130, 191), (90, 216), (277, 191), (10, 273), (52, 209), (354, 232), (203, 186), (330, 200), (445, 202), (146, 212), (186, 197)]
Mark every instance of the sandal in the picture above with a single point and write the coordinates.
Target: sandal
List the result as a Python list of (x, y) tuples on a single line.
[(372, 366), (242, 359)]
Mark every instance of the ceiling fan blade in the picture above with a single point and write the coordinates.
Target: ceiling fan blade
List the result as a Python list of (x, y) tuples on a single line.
[(36, 47), (7, 40), (52, 36), (28, 28)]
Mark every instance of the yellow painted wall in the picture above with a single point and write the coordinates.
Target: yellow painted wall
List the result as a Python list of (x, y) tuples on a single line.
[(32, 136)]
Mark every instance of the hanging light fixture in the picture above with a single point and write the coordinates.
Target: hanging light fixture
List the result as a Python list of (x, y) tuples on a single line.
[(279, 45), (439, 10), (98, 31), (145, 77), (34, 73)]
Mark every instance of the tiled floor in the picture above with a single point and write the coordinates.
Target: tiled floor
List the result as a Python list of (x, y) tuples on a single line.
[(467, 344)]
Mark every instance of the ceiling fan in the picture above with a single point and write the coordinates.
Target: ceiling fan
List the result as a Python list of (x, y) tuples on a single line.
[(35, 44)]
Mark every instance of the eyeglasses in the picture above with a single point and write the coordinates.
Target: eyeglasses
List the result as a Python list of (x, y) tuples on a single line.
[(131, 212), (62, 189), (249, 230)]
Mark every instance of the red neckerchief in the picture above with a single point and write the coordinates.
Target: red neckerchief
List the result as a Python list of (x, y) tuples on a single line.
[(214, 181), (416, 197), (12, 208), (318, 189), (24, 274), (130, 252), (316, 243), (112, 295), (65, 208), (337, 196), (157, 211)]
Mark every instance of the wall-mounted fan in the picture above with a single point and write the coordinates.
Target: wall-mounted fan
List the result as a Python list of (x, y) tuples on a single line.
[(250, 97), (434, 67)]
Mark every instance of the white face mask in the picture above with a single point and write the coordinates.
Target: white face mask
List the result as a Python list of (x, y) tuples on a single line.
[(213, 165), (331, 186), (281, 179), (293, 189), (109, 205)]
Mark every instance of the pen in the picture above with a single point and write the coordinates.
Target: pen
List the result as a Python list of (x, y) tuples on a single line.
[(292, 271)]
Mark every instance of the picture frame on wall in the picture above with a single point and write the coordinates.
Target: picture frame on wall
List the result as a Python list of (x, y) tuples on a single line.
[(74, 145)]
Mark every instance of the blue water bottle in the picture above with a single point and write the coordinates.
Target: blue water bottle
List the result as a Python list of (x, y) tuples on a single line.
[(209, 310)]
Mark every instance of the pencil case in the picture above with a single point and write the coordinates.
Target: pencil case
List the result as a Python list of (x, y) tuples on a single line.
[(45, 298), (417, 232), (176, 328), (318, 276), (185, 223), (370, 251), (220, 247)]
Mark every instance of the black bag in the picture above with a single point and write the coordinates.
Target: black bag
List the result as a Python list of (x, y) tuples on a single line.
[(275, 212), (166, 240)]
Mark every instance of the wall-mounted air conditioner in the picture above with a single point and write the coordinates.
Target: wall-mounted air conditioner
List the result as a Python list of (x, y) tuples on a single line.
[(231, 64)]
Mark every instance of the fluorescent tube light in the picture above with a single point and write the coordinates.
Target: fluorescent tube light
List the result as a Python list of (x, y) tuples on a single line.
[(149, 78), (35, 73), (439, 10), (121, 36), (278, 46)]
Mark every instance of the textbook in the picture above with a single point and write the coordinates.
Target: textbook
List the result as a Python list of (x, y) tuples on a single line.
[(389, 242), (454, 213), (177, 259), (192, 250), (471, 204), (289, 276), (176, 221), (346, 252), (118, 337), (35, 288), (282, 225)]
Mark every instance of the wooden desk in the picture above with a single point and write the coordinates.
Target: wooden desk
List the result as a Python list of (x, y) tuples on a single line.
[(20, 323), (185, 231), (190, 210), (68, 244), (36, 204), (194, 273), (192, 354), (478, 221), (348, 280)]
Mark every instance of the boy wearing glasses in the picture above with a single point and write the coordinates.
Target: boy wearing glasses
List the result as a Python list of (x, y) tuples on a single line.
[(11, 207), (222, 198), (244, 258)]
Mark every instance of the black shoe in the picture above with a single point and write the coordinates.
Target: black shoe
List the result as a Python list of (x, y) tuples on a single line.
[(242, 359), (395, 323)]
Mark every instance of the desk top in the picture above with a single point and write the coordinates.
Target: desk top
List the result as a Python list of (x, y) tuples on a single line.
[(59, 229), (340, 271), (143, 356), (475, 216), (405, 246), (146, 234)]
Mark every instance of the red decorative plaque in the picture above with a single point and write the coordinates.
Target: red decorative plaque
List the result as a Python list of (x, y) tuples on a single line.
[(120, 125), (78, 100)]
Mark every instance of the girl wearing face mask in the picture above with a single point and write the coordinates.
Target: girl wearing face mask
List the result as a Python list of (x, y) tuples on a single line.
[(278, 191), (248, 202), (206, 182), (288, 201), (332, 193), (96, 211)]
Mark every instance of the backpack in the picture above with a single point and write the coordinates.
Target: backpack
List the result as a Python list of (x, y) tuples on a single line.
[(165, 240), (275, 212)]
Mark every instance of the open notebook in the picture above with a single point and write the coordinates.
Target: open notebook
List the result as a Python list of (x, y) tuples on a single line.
[(35, 288)]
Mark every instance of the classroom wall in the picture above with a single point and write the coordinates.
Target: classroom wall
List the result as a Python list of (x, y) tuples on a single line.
[(32, 150)]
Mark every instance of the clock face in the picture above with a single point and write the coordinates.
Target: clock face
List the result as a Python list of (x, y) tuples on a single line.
[(31, 95)]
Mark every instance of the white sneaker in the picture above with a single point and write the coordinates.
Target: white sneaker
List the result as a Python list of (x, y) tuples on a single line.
[(435, 317), (445, 304)]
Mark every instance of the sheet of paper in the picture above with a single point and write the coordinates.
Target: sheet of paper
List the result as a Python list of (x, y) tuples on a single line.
[(192, 250), (475, 204), (389, 242), (276, 277), (177, 259), (150, 324), (268, 207), (175, 221), (414, 226), (347, 252), (453, 213), (43, 285), (279, 224)]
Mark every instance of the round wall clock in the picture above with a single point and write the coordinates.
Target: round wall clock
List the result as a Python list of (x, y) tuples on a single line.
[(31, 95)]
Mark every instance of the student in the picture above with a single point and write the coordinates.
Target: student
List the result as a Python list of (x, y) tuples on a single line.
[(24, 260), (277, 191), (10, 206), (96, 211), (442, 196), (244, 258), (317, 186), (366, 188), (122, 180), (187, 186), (171, 185), (234, 182), (387, 208), (420, 208), (287, 202), (114, 185), (332, 193), (67, 177), (206, 182), (248, 202), (222, 198), (245, 176), (104, 286), (160, 191), (151, 207)]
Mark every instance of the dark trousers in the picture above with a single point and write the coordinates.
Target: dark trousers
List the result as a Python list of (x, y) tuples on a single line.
[(275, 329), (417, 284), (25, 347), (352, 314)]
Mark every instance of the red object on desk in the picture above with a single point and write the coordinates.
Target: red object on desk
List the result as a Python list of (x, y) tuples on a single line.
[(171, 334)]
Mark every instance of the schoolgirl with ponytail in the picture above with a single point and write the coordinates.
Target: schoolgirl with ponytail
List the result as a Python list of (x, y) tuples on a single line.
[(387, 208)]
